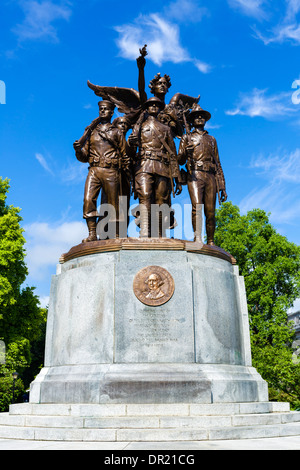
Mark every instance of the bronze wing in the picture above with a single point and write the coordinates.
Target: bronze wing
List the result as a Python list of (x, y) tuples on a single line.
[(127, 100)]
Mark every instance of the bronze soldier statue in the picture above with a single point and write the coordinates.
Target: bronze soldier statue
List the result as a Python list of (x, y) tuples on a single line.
[(205, 176), (156, 164), (103, 147)]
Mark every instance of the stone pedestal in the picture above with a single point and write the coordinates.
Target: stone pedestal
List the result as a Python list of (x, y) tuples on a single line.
[(105, 345)]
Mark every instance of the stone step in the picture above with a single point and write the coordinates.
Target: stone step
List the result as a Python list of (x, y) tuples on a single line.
[(148, 422), (182, 409), (178, 422), (142, 434)]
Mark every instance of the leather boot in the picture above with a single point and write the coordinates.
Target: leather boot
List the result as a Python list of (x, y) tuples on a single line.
[(210, 231), (197, 223), (91, 223)]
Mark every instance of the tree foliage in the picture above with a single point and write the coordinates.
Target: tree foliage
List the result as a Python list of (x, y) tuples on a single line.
[(270, 265), (21, 318)]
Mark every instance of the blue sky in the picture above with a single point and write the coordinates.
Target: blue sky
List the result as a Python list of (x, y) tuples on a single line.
[(241, 56)]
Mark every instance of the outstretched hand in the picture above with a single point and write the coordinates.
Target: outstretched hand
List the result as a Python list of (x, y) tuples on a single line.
[(141, 61)]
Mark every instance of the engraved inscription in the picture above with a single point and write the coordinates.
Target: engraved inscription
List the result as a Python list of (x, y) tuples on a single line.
[(154, 328)]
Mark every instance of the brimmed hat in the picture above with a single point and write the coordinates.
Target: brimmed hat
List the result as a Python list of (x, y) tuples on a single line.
[(154, 99), (197, 110)]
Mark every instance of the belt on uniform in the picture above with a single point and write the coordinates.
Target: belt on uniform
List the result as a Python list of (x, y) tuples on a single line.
[(152, 155), (200, 166), (104, 164)]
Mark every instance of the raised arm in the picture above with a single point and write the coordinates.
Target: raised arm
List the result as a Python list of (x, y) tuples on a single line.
[(141, 62)]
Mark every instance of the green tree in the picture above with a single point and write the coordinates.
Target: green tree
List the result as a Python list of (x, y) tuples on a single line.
[(21, 318), (270, 265)]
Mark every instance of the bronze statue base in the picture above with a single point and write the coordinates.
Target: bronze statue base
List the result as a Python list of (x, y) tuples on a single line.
[(118, 244)]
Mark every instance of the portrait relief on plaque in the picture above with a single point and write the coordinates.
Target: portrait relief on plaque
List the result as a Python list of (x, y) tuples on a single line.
[(153, 285)]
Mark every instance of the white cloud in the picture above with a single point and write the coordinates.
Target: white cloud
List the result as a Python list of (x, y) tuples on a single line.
[(258, 103), (283, 167), (185, 11), (43, 162), (279, 195), (281, 33), (71, 172), (39, 18), (292, 9), (203, 66), (278, 199), (162, 38), (287, 28), (252, 8), (44, 301), (46, 243)]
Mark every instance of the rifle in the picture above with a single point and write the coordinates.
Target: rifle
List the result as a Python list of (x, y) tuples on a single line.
[(186, 125), (217, 181), (218, 189), (88, 130), (188, 134)]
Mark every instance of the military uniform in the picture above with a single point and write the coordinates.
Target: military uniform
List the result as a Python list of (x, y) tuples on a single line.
[(205, 176), (104, 150), (155, 167)]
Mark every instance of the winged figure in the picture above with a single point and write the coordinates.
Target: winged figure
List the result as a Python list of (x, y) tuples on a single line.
[(130, 101)]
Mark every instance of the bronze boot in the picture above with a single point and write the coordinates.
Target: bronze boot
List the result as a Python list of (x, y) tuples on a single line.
[(210, 232), (91, 223)]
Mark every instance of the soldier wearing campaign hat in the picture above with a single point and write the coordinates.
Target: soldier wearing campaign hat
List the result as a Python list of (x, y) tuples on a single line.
[(205, 179)]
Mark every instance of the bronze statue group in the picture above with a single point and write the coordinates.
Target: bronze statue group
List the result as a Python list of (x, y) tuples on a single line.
[(147, 164)]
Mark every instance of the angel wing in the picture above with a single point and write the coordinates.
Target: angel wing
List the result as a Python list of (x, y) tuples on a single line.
[(127, 100)]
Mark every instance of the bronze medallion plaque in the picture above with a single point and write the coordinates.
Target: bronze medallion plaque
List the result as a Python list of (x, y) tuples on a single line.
[(153, 285)]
